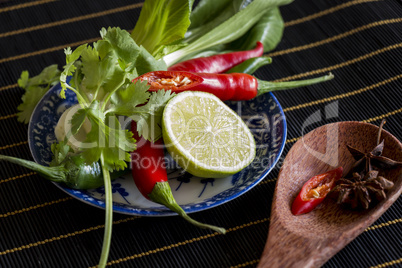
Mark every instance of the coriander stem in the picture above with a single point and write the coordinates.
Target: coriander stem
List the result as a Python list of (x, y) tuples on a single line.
[(96, 93), (107, 237), (81, 100), (83, 97), (111, 93)]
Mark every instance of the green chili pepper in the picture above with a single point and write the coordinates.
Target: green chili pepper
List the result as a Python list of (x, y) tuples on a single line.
[(73, 172)]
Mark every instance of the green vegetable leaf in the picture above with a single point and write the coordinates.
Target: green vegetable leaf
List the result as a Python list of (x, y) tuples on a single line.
[(206, 10), (102, 75), (78, 120), (161, 23), (70, 67), (23, 80), (268, 30), (228, 31), (35, 87), (91, 69), (108, 139), (122, 46), (125, 100), (149, 116), (101, 78), (60, 151), (100, 70), (92, 111), (164, 50), (147, 63), (228, 11), (129, 102)]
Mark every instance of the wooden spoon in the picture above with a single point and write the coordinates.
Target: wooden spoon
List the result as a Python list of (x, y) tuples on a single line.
[(311, 239)]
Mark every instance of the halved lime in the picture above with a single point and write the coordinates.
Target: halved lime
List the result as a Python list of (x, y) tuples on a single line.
[(205, 137)]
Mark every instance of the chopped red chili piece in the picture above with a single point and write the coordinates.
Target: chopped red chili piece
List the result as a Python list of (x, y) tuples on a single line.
[(315, 190)]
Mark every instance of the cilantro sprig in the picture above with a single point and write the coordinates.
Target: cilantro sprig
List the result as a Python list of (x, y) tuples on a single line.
[(101, 77), (35, 87)]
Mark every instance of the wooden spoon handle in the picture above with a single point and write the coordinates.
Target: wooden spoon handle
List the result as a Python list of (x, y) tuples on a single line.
[(285, 249)]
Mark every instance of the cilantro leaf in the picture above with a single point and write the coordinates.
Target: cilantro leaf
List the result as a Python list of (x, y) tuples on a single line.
[(70, 67), (35, 87), (60, 151), (129, 55), (126, 99), (123, 46), (111, 141), (128, 102), (91, 69), (92, 111), (149, 116), (98, 72), (101, 77)]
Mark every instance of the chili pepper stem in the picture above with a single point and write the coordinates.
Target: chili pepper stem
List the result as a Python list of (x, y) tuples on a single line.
[(56, 174), (107, 237), (162, 194), (266, 86)]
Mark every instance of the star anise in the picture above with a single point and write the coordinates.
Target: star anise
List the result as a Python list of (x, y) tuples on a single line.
[(359, 191), (366, 161), (363, 184)]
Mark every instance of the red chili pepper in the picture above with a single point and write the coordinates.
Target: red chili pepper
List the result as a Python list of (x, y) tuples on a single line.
[(150, 177), (217, 63), (234, 86), (315, 190)]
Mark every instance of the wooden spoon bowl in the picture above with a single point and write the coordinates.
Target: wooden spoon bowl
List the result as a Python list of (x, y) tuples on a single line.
[(309, 240)]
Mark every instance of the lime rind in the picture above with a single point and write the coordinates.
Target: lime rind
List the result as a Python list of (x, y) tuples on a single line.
[(205, 136)]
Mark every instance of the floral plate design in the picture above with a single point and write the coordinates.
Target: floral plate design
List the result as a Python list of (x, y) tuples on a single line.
[(263, 115)]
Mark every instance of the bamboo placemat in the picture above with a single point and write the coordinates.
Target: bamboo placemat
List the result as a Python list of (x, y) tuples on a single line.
[(358, 41)]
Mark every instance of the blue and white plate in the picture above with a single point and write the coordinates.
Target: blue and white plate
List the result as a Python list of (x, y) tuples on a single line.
[(263, 115)]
